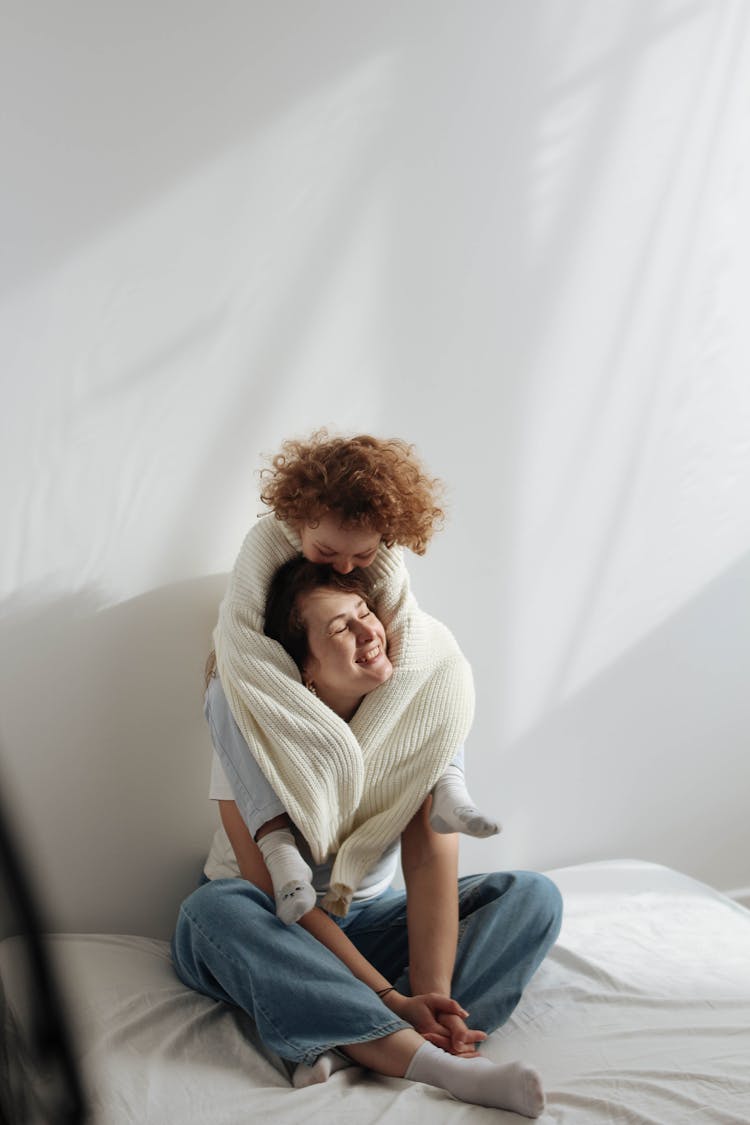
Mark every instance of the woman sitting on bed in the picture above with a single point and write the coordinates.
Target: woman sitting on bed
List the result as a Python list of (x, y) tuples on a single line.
[(392, 984)]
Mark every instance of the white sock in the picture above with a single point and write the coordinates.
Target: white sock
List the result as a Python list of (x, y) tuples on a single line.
[(321, 1070), (290, 875), (453, 809), (509, 1086)]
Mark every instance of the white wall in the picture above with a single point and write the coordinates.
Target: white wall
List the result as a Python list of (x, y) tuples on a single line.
[(515, 233)]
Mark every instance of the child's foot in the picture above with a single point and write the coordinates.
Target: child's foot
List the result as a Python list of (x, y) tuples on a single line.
[(290, 875), (511, 1086), (293, 901), (454, 811)]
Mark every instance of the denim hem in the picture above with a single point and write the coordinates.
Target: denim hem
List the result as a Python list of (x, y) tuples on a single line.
[(313, 1053)]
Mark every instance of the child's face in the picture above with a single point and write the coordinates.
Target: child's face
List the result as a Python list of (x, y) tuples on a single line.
[(343, 548)]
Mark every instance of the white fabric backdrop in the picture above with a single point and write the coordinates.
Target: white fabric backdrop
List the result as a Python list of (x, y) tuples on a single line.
[(515, 233)]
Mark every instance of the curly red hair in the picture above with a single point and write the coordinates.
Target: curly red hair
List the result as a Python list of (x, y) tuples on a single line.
[(370, 482)]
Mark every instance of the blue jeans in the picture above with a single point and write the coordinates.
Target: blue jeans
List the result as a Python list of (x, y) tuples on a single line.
[(230, 945)]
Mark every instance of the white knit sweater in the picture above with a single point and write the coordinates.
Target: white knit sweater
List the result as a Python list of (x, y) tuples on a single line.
[(351, 788)]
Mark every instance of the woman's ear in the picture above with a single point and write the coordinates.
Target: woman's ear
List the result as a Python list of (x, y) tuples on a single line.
[(309, 683)]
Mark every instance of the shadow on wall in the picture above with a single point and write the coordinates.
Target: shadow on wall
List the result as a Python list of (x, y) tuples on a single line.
[(650, 760), (108, 752)]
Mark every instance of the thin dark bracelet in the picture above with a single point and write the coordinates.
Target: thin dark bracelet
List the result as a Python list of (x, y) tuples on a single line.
[(381, 992)]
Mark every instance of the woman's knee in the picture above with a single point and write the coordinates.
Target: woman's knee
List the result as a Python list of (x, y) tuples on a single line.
[(221, 908), (542, 904), (534, 897), (225, 902), (221, 914)]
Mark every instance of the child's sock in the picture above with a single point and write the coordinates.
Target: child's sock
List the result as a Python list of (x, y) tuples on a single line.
[(453, 809), (321, 1070), (510, 1086), (290, 875)]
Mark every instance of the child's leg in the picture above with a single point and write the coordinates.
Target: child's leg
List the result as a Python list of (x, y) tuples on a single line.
[(290, 875), (453, 810), (260, 808)]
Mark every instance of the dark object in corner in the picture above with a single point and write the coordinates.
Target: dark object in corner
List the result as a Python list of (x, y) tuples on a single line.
[(39, 1080)]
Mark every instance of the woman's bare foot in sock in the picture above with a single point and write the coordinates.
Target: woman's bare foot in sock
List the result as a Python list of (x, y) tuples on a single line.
[(321, 1070), (513, 1086)]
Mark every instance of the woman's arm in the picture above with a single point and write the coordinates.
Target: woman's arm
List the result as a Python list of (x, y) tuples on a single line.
[(430, 865), (420, 1011), (249, 858)]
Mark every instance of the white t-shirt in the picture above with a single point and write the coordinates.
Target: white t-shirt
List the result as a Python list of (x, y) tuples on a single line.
[(222, 863)]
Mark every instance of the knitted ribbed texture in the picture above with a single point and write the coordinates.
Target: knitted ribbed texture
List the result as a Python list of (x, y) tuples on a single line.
[(351, 788)]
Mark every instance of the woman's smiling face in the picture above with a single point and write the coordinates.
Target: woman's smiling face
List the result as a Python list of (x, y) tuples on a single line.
[(347, 648)]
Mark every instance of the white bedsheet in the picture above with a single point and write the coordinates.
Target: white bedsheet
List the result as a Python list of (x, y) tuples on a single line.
[(640, 1015)]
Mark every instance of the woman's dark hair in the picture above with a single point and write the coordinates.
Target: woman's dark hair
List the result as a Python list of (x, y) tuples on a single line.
[(294, 578)]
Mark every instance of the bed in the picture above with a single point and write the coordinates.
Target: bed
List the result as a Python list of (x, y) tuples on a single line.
[(639, 1015)]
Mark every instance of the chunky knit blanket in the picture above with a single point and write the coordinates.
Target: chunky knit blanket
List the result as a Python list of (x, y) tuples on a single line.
[(351, 788)]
